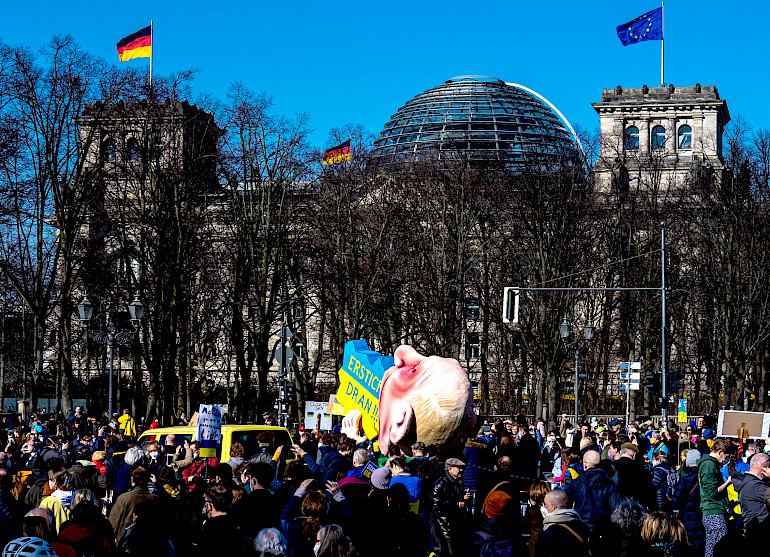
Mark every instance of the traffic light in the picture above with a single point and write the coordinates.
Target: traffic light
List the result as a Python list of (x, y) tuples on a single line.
[(675, 384), (650, 380), (291, 392)]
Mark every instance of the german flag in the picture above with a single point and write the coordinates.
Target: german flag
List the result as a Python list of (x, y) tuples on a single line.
[(337, 154), (138, 45)]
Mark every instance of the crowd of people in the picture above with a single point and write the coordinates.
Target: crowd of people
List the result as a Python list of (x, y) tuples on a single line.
[(81, 486)]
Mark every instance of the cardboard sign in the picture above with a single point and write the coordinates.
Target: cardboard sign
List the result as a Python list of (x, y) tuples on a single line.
[(208, 429), (312, 412), (360, 377), (743, 425)]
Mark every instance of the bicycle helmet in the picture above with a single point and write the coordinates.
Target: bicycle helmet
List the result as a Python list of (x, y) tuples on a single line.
[(28, 547)]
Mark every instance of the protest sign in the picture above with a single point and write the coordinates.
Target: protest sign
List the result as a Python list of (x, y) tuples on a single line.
[(208, 429), (360, 377), (312, 412)]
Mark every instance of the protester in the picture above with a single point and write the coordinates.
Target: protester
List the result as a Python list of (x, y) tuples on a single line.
[(687, 502), (564, 532), (594, 492), (451, 506), (713, 494)]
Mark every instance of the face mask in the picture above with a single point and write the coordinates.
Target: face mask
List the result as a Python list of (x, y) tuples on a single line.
[(52, 485), (316, 547), (154, 454), (543, 511), (551, 438), (725, 460)]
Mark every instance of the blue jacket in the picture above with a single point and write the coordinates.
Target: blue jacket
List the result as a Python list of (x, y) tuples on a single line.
[(660, 482), (328, 465), (687, 502), (595, 495)]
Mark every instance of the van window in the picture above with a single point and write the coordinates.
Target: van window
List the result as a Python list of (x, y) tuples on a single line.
[(250, 439), (180, 439)]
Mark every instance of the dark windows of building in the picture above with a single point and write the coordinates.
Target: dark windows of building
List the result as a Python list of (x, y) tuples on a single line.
[(658, 138), (472, 309), (472, 346), (108, 150), (132, 149), (632, 138), (685, 138)]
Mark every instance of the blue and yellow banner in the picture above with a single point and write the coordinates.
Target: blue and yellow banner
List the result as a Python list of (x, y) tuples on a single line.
[(360, 377)]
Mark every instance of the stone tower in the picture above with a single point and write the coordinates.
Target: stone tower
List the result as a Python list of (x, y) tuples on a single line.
[(659, 135)]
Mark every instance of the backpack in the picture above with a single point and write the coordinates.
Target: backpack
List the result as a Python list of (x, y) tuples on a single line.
[(497, 547), (672, 478)]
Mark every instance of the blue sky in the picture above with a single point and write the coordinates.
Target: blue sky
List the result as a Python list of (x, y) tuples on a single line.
[(357, 63)]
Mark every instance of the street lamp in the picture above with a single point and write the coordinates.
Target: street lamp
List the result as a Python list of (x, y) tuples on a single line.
[(577, 350), (111, 337)]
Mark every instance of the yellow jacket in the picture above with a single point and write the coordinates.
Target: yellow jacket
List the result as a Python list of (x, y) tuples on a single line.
[(60, 512), (127, 425)]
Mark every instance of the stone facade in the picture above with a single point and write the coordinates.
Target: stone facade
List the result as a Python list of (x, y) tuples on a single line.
[(671, 130)]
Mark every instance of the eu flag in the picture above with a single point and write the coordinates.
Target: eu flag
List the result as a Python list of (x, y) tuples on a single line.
[(646, 27)]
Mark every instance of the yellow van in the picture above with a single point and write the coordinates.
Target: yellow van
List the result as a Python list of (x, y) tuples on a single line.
[(248, 435)]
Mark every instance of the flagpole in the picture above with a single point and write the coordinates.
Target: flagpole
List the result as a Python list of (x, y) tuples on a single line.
[(152, 51), (662, 40)]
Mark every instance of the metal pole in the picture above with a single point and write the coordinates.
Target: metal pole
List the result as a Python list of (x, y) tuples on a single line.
[(282, 379), (663, 382), (662, 40), (110, 347), (628, 395), (577, 359)]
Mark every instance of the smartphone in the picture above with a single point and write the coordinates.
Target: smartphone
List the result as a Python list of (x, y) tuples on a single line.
[(169, 459)]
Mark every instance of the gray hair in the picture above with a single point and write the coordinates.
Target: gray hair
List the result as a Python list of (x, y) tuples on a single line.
[(629, 516), (133, 456), (270, 541), (361, 456)]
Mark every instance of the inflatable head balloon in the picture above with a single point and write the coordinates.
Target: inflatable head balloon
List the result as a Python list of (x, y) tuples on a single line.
[(402, 399), (424, 398)]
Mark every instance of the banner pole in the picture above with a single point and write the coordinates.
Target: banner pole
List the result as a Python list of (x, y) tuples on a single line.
[(152, 49)]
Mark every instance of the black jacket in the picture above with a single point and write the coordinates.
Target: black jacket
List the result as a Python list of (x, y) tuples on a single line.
[(595, 495), (499, 529), (448, 516), (88, 477), (557, 541), (634, 480), (751, 494)]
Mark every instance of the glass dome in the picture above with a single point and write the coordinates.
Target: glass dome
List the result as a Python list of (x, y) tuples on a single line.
[(478, 118)]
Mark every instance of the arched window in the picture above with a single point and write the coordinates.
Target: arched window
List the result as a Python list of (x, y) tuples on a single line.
[(132, 149), (108, 150), (658, 138), (685, 137), (632, 138)]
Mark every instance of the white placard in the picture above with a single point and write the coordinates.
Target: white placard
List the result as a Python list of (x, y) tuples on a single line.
[(208, 429), (312, 410)]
